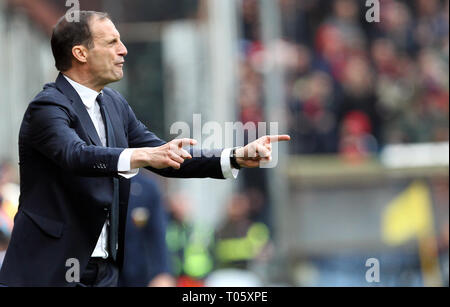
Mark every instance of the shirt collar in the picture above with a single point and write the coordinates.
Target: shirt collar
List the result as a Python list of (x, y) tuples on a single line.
[(87, 95)]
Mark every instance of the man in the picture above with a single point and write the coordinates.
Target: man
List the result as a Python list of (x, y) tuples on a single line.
[(79, 144)]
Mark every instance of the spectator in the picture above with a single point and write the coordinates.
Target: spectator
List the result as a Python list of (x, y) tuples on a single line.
[(146, 261), (188, 244), (239, 240)]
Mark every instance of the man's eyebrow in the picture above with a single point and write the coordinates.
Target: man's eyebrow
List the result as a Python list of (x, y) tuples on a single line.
[(112, 39)]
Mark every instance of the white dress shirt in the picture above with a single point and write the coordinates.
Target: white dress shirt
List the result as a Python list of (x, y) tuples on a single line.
[(89, 99)]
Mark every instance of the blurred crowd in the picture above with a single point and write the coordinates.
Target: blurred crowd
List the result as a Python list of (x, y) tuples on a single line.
[(9, 202), (165, 247), (352, 86)]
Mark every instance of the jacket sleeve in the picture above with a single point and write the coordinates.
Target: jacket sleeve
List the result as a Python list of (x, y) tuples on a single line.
[(52, 134), (205, 163)]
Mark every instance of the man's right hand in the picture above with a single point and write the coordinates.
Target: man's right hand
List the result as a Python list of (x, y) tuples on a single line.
[(171, 154)]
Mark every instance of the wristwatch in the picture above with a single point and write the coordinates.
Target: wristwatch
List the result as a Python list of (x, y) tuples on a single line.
[(233, 160)]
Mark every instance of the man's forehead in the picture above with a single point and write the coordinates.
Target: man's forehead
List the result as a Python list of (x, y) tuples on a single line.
[(102, 28)]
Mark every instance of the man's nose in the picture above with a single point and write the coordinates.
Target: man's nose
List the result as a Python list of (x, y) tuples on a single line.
[(122, 50)]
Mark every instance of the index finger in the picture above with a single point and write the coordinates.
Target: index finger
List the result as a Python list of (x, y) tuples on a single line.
[(277, 138), (184, 142)]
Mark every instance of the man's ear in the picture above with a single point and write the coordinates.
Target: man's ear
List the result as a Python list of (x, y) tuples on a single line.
[(80, 53)]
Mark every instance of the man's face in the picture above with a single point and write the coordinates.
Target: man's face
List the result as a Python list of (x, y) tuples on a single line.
[(106, 58)]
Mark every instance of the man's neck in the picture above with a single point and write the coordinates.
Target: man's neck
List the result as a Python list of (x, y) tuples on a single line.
[(83, 79)]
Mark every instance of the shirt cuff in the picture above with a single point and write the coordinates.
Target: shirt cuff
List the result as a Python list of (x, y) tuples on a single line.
[(227, 171), (124, 164)]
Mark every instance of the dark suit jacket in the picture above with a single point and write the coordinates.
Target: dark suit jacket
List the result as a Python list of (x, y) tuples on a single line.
[(67, 183)]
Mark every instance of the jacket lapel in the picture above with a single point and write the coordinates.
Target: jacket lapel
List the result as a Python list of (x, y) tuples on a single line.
[(64, 86)]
